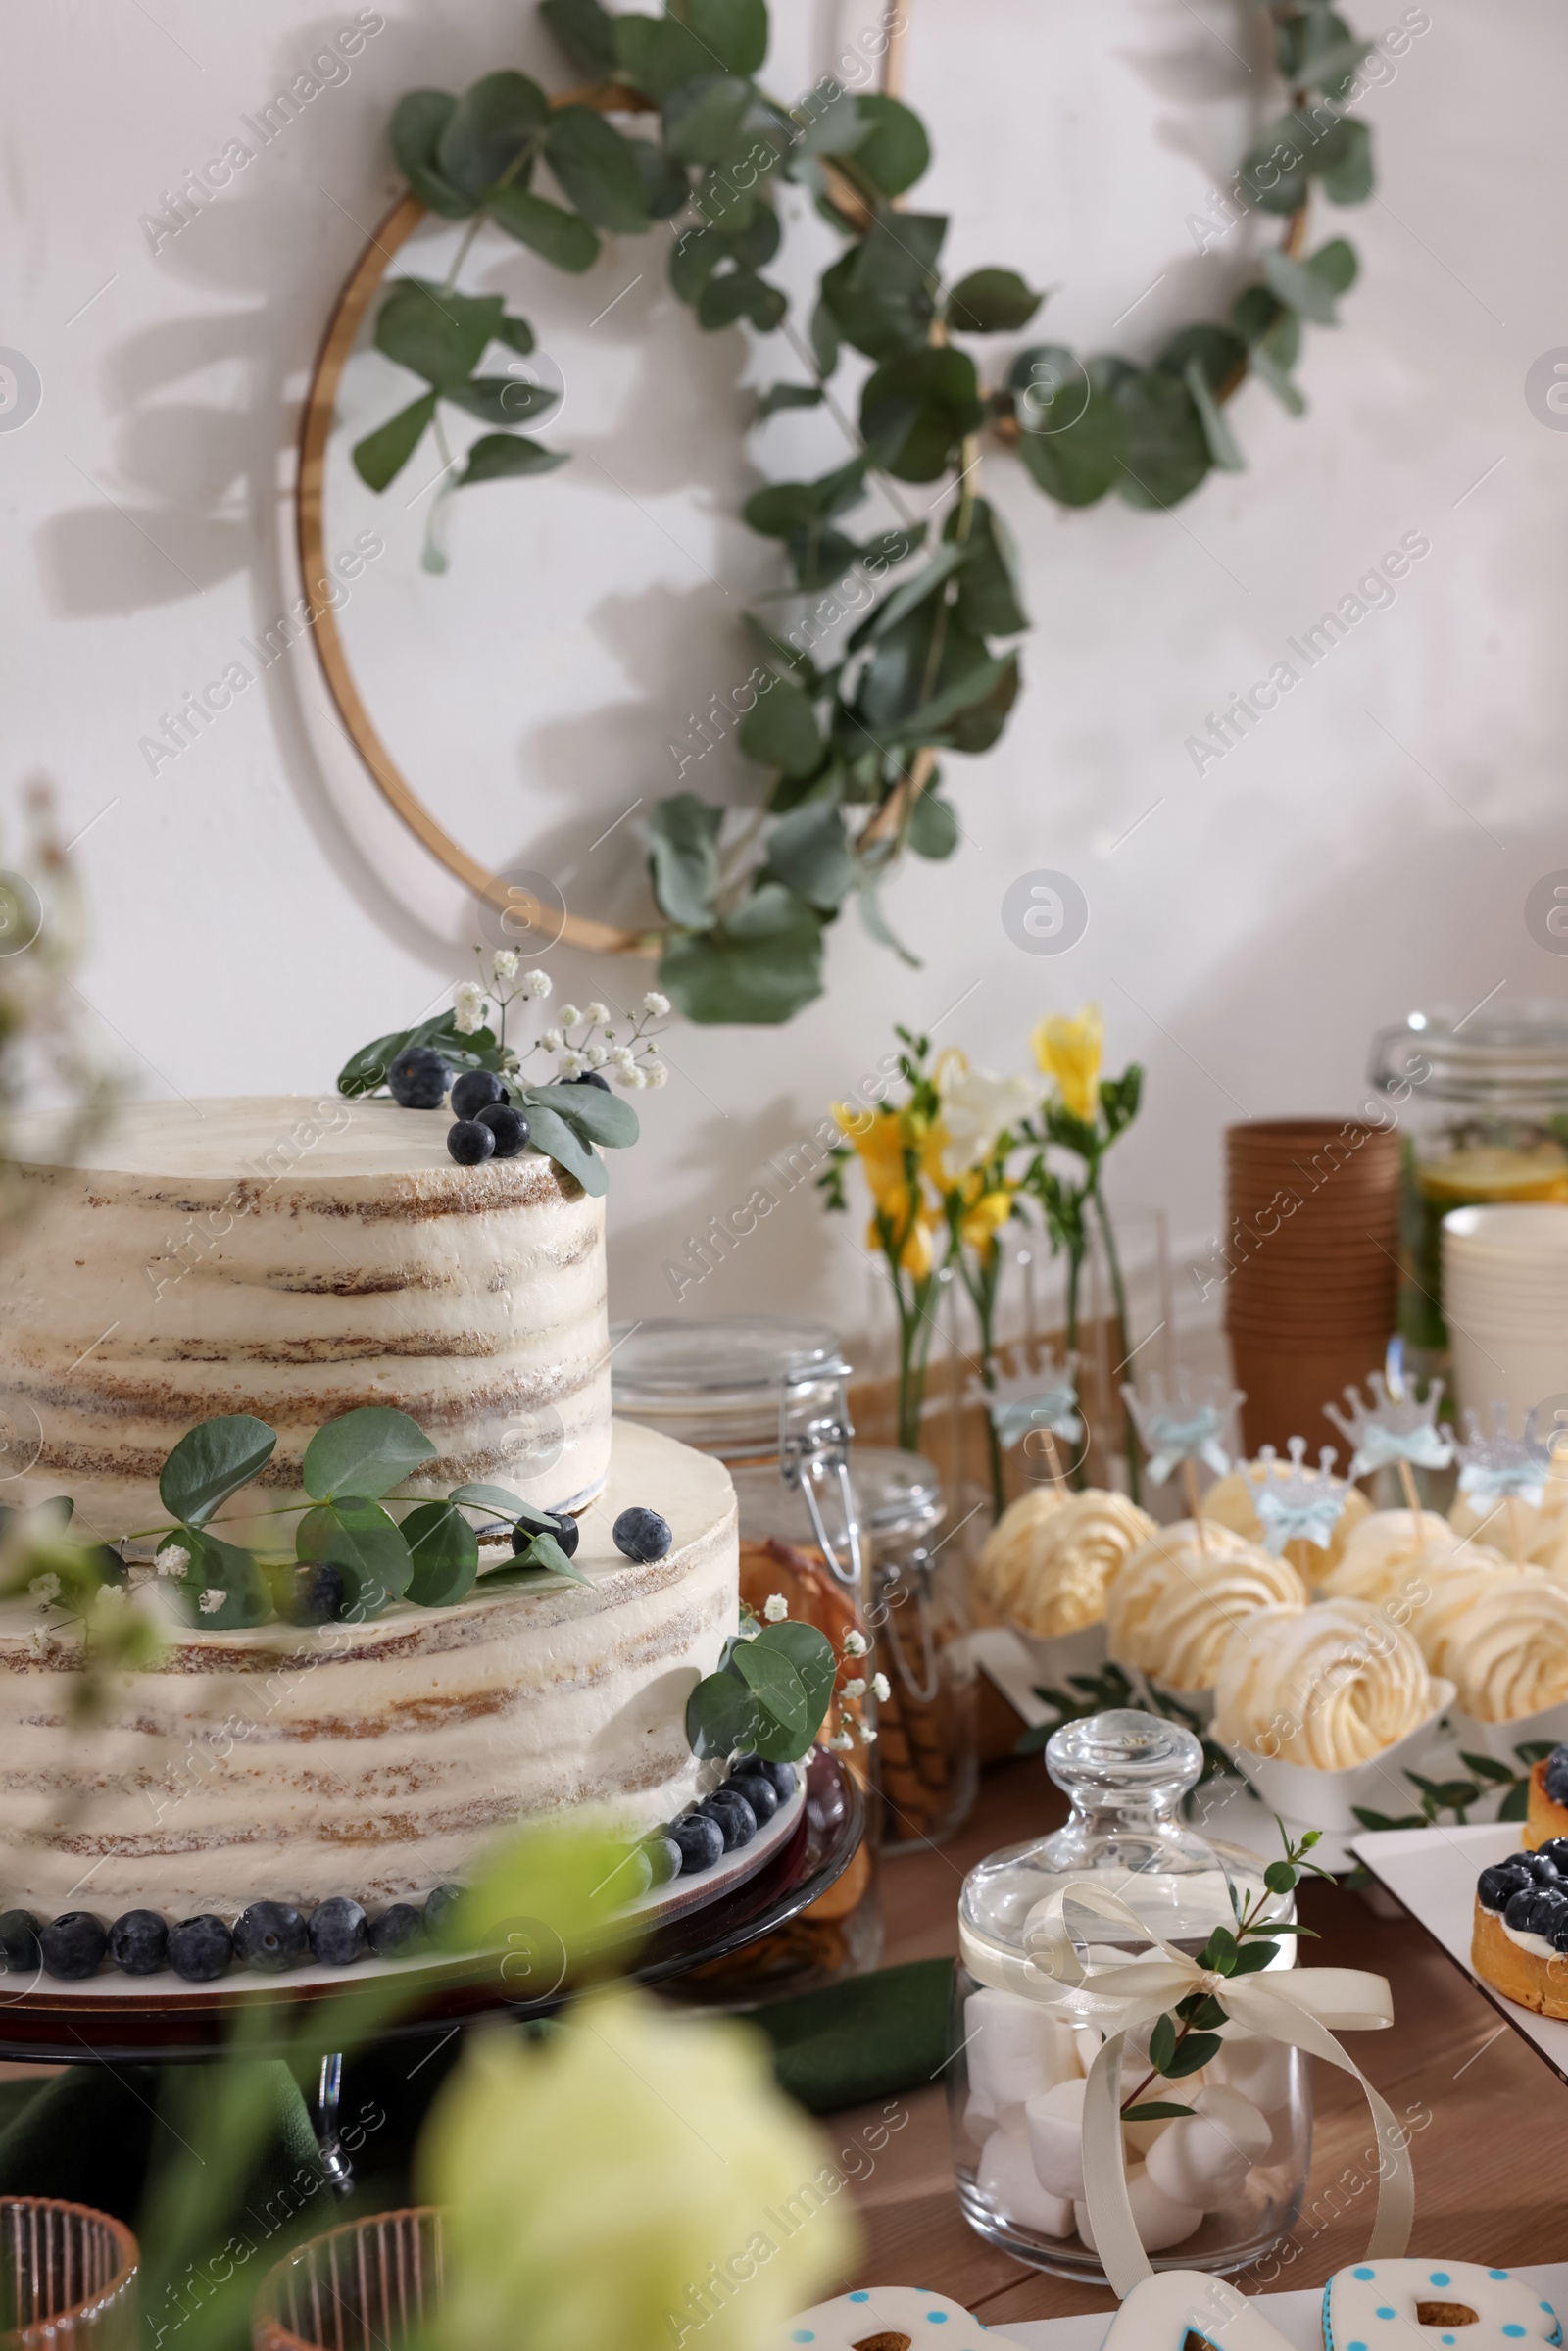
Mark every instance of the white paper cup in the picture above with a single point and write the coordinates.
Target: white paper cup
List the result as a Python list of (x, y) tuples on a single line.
[(1318, 1799), (1516, 1372), (1512, 1229), (1499, 1740), (1057, 1655), (1199, 1704)]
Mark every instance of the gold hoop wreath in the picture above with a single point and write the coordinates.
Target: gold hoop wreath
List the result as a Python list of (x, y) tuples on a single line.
[(1081, 428)]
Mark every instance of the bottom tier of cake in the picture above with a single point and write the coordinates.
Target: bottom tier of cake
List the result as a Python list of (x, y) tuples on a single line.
[(372, 1760)]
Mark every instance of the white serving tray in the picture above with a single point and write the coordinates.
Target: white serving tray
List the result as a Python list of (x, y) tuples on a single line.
[(1433, 1871), (1298, 2317)]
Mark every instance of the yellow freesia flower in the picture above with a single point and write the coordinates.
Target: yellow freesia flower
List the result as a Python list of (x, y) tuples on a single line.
[(636, 2181), (915, 1254), (984, 1212), (1070, 1051)]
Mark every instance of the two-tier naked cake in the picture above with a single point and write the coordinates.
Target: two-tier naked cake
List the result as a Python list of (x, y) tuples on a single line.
[(297, 1260)]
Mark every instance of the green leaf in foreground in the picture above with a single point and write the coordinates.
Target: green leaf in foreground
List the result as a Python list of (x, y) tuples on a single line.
[(445, 1554), (212, 1461), (367, 1452)]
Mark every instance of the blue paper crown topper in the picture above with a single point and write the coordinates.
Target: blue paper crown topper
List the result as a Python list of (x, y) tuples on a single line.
[(1496, 1466), (1187, 1426), (1393, 1425), (1043, 1399), (1303, 1505)]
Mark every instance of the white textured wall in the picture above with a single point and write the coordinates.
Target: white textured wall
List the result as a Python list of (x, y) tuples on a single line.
[(1369, 848)]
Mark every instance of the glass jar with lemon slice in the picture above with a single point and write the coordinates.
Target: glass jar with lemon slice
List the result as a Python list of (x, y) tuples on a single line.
[(1483, 1099)]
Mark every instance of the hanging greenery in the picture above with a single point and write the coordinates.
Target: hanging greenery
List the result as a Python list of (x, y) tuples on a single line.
[(848, 723)]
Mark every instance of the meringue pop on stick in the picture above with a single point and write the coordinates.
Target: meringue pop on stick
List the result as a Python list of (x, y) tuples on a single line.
[(1394, 1426)]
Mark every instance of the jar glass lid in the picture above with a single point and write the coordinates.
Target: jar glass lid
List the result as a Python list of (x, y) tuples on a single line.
[(1514, 1057), (716, 1384)]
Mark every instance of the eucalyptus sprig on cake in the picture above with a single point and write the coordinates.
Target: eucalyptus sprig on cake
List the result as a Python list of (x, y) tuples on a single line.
[(498, 1113), (772, 1691), (890, 650)]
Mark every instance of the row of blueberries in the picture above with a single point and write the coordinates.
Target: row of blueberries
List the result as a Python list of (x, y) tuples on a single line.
[(487, 1126), (268, 1935), (727, 1819), (1531, 1889)]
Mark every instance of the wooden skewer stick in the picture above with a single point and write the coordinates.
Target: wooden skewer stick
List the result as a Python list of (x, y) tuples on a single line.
[(1059, 1476), (1411, 1498), (1189, 1480)]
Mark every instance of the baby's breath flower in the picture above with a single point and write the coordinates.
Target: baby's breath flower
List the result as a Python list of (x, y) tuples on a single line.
[(45, 1587), (552, 1041), (173, 1561), (570, 1017), (855, 1644), (595, 1056), (867, 1734), (598, 1013), (40, 1640), (109, 1600), (655, 1005), (842, 1742), (537, 983), (882, 1688), (571, 1065), (636, 1079), (775, 1608), (211, 1601), (505, 963), (468, 1002), (852, 1690), (655, 1074)]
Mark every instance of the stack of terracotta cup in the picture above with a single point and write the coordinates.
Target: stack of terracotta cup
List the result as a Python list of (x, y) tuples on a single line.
[(1311, 1265)]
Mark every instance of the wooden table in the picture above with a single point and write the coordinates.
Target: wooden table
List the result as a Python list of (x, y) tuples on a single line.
[(1489, 2120)]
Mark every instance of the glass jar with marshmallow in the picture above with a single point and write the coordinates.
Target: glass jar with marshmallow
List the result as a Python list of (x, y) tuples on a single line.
[(1216, 2177)]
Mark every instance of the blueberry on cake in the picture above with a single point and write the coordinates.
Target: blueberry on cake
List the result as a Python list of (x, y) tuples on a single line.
[(1547, 1813), (1520, 1939)]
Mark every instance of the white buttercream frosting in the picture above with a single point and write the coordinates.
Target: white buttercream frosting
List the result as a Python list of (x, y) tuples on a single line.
[(374, 1759), (1329, 1686), (1381, 1555), (1232, 1501), (1175, 1599)]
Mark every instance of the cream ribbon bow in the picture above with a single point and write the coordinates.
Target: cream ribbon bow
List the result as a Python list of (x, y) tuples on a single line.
[(1295, 2005)]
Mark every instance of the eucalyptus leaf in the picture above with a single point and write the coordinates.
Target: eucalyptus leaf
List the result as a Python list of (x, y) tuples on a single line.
[(418, 120), (896, 152), (720, 1716), (1223, 445), (657, 54), (605, 1118), (586, 34), (808, 851), (787, 507), (212, 1461), (545, 1552), (365, 1072), (734, 31), (597, 169), (933, 826), (780, 731), (908, 594), (986, 597), (877, 926), (774, 1684), (508, 456), (492, 126), (1350, 177), (810, 1652), (1303, 289), (502, 1503), (1220, 355), (683, 858), (665, 183), (734, 294), (556, 235), (694, 257), (786, 396), (1166, 455), (502, 399), (561, 1140), (364, 1452), (445, 1554), (991, 302), (222, 1567), (366, 1544), (438, 335), (703, 117), (761, 967), (1336, 264), (757, 243), (883, 292)]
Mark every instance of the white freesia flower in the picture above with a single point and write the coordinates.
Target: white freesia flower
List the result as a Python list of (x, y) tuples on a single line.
[(537, 983), (570, 1017), (852, 1690), (211, 1601), (468, 1002), (776, 1607), (45, 1587), (882, 1688), (855, 1644), (598, 1013), (173, 1561), (505, 963), (976, 1105)]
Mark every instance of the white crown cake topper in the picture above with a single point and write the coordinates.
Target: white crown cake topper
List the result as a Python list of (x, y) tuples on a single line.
[(1394, 1427), (1300, 1506), (1186, 1426), (1043, 1399), (1500, 1467)]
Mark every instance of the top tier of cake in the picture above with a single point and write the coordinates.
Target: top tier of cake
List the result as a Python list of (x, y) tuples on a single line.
[(295, 1259)]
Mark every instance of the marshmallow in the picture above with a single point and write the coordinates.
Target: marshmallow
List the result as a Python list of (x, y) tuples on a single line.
[(978, 2120), (1013, 2049), (1006, 2175), (1259, 2069), (1055, 2123), (1205, 2158), (1161, 2221)]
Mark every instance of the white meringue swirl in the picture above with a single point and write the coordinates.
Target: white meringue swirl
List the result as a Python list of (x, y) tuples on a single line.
[(1175, 1600), (1330, 1686)]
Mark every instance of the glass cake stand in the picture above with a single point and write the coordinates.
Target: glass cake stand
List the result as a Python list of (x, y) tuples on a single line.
[(111, 2018)]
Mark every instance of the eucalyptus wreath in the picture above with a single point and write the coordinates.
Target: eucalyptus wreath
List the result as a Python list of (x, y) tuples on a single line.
[(848, 721)]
